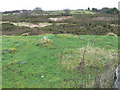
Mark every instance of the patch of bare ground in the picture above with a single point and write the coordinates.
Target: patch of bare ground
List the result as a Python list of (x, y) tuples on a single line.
[(32, 25), (27, 24), (60, 18), (39, 25)]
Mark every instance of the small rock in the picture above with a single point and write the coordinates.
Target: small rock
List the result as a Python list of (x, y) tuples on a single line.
[(81, 38), (5, 51), (21, 62), (42, 76), (117, 82)]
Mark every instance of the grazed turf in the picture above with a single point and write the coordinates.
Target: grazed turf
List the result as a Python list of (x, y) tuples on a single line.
[(34, 66)]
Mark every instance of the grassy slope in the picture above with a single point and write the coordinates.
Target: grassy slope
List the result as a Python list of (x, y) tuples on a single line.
[(34, 66)]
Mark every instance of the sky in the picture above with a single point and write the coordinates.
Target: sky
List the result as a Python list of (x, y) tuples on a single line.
[(8, 5)]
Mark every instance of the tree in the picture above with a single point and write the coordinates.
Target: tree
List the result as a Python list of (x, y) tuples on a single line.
[(67, 12), (95, 9), (112, 11), (104, 10), (88, 9), (37, 9), (109, 10)]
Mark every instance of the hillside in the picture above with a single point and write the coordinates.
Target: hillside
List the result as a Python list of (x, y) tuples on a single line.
[(59, 49), (81, 24)]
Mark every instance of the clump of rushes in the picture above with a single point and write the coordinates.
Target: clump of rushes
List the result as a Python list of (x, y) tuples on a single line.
[(45, 42), (111, 34)]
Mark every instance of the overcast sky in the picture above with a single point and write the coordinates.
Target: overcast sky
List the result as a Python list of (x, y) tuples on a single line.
[(8, 5)]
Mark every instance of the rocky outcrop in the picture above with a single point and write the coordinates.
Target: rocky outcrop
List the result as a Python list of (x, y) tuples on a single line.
[(117, 82)]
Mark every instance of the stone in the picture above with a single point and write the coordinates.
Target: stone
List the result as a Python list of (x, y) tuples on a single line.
[(81, 38), (117, 82), (21, 62), (5, 51), (42, 76)]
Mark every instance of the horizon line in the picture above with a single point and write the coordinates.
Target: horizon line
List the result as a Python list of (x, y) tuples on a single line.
[(58, 9)]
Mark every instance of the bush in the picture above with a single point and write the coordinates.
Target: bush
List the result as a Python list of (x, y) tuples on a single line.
[(9, 27)]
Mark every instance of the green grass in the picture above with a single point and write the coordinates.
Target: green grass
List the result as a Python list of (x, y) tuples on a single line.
[(71, 12), (32, 66), (81, 12)]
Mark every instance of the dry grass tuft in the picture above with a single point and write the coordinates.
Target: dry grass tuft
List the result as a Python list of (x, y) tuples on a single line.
[(97, 61), (67, 35), (12, 50), (71, 58), (25, 34), (46, 42), (111, 34)]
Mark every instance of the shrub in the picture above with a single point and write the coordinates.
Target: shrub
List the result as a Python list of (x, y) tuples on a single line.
[(111, 34), (8, 26)]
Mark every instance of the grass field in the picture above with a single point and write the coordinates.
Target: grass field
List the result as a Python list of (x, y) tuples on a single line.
[(28, 63), (80, 51)]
